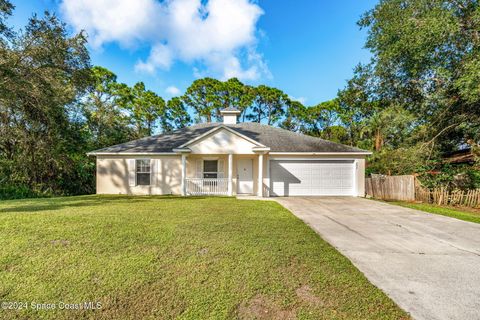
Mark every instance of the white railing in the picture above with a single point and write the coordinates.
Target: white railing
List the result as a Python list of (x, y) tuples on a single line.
[(204, 186)]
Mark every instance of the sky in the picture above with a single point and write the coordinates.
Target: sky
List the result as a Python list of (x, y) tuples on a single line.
[(307, 48)]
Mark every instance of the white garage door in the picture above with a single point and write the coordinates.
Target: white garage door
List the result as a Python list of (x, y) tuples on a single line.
[(311, 177)]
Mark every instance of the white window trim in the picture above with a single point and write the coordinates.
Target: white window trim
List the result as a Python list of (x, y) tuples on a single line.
[(210, 172), (199, 167), (150, 171)]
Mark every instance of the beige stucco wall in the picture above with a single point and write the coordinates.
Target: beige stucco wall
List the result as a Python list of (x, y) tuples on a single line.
[(113, 175)]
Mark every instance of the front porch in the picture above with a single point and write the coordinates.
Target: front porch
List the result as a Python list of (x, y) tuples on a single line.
[(207, 187), (224, 174)]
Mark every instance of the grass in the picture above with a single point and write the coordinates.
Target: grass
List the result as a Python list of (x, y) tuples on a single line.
[(182, 258), (465, 214)]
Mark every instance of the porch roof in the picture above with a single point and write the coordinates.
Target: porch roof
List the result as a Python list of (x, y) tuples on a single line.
[(278, 140)]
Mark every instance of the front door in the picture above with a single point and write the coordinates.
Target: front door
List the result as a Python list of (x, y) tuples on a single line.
[(245, 176)]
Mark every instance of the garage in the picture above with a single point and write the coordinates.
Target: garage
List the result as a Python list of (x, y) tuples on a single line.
[(312, 177)]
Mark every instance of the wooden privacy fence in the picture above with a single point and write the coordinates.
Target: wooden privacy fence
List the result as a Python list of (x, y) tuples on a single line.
[(408, 188), (391, 187)]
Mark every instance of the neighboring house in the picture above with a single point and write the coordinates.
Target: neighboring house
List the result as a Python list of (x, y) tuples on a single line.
[(231, 158), (463, 156)]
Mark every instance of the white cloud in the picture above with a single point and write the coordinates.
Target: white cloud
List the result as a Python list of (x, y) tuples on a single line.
[(123, 21), (160, 56), (302, 100), (219, 35), (173, 91)]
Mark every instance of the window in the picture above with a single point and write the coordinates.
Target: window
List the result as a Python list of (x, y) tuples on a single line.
[(143, 172), (210, 169)]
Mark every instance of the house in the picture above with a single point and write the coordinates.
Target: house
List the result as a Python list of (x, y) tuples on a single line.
[(231, 158), (462, 156)]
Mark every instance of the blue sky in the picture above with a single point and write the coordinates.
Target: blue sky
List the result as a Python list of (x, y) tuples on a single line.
[(307, 48)]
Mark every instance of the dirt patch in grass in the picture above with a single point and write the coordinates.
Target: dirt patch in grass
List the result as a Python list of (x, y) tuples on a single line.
[(60, 242), (203, 251), (154, 300), (262, 308), (305, 293)]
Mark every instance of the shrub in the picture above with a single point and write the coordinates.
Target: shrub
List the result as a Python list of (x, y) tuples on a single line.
[(20, 192)]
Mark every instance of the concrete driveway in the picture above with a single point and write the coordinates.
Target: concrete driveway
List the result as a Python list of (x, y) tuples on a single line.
[(428, 264)]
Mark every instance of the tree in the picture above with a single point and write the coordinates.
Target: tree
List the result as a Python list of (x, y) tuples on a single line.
[(356, 103), (178, 116), (106, 117), (296, 117), (390, 127), (234, 94), (43, 72), (426, 59), (150, 112), (202, 96), (6, 9), (147, 109), (269, 104), (321, 118)]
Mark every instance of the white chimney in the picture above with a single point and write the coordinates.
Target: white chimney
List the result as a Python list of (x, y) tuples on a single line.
[(230, 115)]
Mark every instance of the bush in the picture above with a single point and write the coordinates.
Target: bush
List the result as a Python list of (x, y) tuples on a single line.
[(20, 192), (399, 161), (463, 177)]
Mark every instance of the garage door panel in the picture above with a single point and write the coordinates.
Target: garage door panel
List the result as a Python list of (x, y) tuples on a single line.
[(311, 177)]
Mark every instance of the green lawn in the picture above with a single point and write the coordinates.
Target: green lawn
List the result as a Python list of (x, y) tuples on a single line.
[(169, 257), (458, 213)]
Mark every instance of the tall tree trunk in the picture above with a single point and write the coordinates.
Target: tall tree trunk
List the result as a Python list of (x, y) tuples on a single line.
[(351, 134), (378, 140)]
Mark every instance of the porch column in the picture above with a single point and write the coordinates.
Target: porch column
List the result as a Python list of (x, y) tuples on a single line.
[(230, 174), (184, 174), (260, 175)]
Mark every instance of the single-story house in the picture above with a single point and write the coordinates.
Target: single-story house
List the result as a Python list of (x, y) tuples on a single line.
[(231, 158)]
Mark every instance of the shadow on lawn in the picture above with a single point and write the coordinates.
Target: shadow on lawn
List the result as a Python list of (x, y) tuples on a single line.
[(43, 204)]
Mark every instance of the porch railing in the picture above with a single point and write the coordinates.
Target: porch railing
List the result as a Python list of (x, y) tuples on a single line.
[(207, 186)]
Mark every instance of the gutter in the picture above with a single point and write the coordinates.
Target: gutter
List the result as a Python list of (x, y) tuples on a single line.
[(131, 154), (321, 153)]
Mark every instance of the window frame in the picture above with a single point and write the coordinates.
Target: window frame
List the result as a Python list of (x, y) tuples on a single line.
[(215, 173), (143, 168)]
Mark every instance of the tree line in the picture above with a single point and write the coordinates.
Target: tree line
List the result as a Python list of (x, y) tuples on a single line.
[(419, 96), (415, 101)]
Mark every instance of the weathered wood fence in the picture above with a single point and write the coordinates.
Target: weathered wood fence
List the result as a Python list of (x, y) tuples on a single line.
[(408, 188), (391, 187), (441, 196)]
